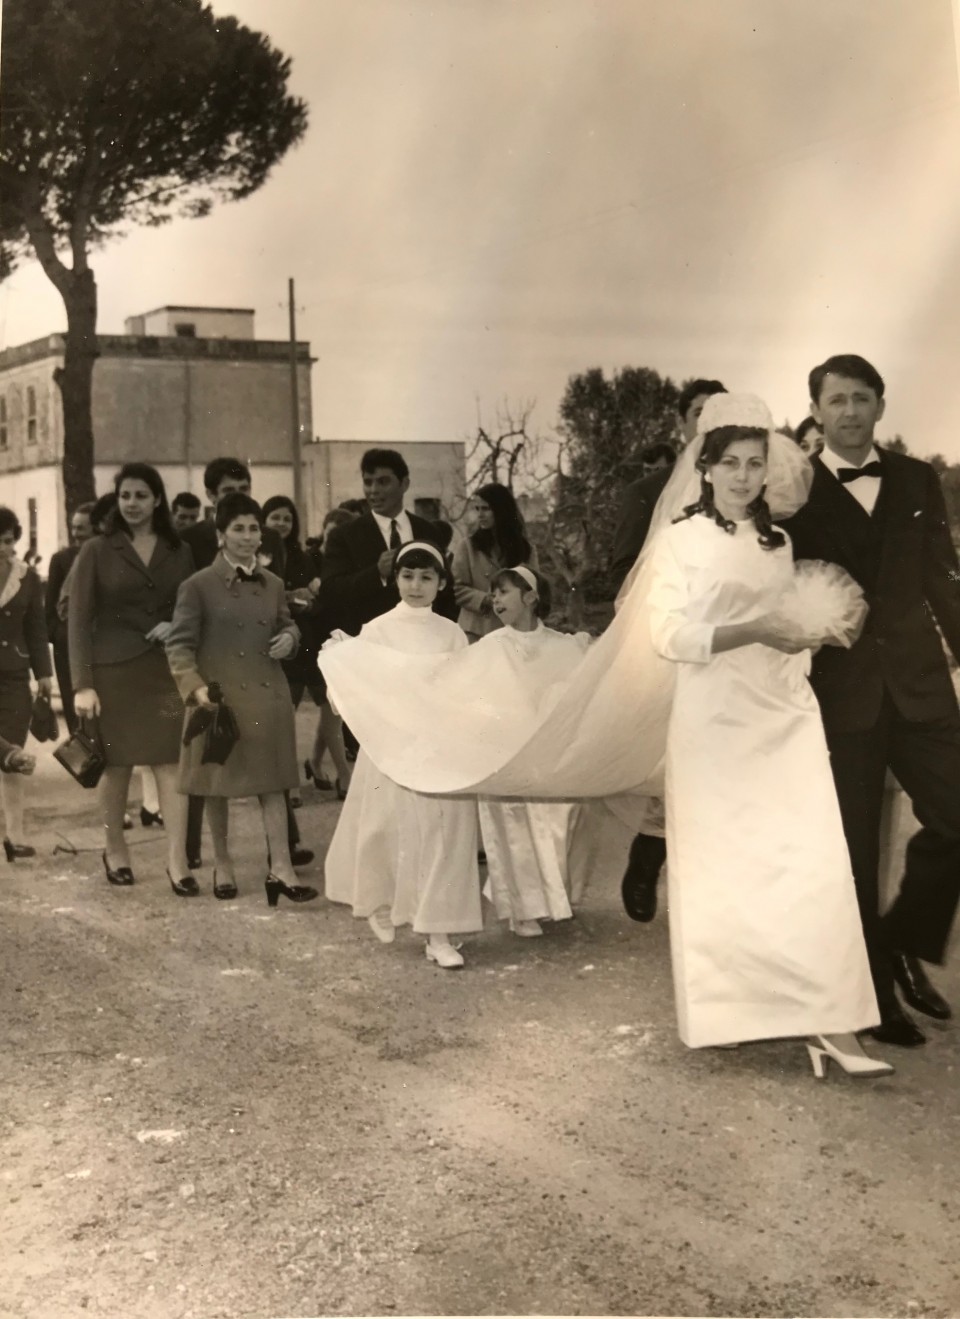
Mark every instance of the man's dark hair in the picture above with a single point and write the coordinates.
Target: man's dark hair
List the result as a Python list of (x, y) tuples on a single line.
[(236, 505), (659, 452), (694, 390), (10, 522), (102, 508), (355, 506), (87, 508), (852, 367), (375, 458), (185, 500), (214, 472)]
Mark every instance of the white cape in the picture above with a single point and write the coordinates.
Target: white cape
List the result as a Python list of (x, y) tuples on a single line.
[(466, 723)]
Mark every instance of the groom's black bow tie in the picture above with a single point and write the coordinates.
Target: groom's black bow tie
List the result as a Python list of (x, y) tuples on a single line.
[(244, 576), (848, 474)]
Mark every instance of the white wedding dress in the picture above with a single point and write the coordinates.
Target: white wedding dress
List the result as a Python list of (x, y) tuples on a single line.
[(765, 931)]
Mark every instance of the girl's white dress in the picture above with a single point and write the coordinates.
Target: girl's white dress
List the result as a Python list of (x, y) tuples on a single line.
[(764, 927), (528, 843), (413, 853)]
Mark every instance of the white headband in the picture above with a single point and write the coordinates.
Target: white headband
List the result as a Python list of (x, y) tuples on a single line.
[(527, 576), (421, 545)]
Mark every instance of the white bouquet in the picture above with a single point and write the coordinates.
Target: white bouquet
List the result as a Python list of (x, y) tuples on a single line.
[(825, 603)]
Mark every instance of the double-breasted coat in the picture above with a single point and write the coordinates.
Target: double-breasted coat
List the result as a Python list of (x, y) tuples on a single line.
[(222, 630)]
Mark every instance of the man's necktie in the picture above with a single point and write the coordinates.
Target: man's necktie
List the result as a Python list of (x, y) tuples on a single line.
[(848, 474), (395, 541)]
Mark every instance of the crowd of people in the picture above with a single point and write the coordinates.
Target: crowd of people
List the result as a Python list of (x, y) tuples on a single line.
[(433, 671)]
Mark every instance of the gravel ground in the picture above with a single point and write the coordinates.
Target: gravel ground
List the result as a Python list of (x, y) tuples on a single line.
[(211, 1109)]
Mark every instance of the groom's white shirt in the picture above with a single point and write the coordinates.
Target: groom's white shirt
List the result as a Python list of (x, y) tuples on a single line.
[(865, 489)]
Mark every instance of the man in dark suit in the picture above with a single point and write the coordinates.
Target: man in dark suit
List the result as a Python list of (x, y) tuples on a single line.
[(222, 477), (81, 529), (647, 851), (357, 579), (889, 700)]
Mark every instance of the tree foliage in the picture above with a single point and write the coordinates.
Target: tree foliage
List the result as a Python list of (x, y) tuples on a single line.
[(604, 424), (122, 112)]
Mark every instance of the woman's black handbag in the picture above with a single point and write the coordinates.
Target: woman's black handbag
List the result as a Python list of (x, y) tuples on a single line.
[(43, 722), (219, 727), (82, 756)]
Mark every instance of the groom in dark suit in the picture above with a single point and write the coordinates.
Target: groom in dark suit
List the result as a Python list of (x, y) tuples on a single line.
[(357, 577), (889, 700)]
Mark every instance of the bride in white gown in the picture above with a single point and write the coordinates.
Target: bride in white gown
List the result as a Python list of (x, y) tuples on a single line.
[(764, 926)]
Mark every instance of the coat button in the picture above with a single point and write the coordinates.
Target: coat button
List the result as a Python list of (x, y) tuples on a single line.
[(4, 643), (264, 684), (243, 686), (241, 654)]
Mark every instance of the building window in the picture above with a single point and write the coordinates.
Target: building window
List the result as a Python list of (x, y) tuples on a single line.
[(31, 415), (3, 421), (185, 330)]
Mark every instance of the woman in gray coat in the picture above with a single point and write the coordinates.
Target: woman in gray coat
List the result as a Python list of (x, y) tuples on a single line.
[(232, 626), (122, 589)]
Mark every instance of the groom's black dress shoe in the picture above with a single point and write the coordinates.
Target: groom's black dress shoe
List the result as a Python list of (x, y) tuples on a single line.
[(916, 988), (639, 885), (897, 1028)]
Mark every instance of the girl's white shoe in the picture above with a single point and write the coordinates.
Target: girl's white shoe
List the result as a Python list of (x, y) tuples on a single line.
[(444, 954), (382, 926), (847, 1052), (526, 929)]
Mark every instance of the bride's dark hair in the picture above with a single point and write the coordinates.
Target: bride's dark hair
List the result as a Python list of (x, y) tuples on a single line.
[(715, 445)]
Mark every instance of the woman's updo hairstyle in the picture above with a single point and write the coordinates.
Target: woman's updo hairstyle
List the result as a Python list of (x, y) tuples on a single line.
[(544, 602), (236, 505), (725, 419)]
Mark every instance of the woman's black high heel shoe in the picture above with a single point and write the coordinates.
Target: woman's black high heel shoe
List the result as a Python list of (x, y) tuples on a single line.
[(295, 892), (184, 888), (316, 779), (122, 876), (224, 891), (15, 850), (150, 818)]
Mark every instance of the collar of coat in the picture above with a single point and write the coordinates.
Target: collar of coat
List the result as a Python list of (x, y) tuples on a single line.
[(228, 572)]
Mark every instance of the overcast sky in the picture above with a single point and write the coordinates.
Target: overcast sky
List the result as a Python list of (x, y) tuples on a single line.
[(494, 194)]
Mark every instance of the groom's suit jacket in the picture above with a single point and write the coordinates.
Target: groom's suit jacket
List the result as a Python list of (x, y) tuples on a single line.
[(351, 592), (903, 557)]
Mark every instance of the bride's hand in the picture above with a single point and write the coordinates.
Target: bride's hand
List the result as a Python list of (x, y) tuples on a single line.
[(784, 635)]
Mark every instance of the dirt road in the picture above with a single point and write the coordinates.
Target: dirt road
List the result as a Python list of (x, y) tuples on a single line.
[(211, 1109)]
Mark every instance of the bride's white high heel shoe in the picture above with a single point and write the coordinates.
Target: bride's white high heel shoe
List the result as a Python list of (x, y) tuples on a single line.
[(847, 1053)]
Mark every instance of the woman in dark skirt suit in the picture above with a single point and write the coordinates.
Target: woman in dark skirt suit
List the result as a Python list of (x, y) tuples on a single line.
[(232, 626), (23, 646), (121, 601)]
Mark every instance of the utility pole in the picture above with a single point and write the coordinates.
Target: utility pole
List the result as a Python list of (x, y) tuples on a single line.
[(295, 410)]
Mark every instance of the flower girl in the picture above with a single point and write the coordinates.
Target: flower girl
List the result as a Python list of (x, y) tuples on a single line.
[(400, 857), (528, 842)]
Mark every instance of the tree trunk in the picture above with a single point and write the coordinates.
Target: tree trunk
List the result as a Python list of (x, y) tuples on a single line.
[(75, 381)]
